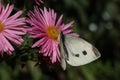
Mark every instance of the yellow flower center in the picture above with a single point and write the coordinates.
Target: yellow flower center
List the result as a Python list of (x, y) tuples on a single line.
[(1, 27), (52, 32)]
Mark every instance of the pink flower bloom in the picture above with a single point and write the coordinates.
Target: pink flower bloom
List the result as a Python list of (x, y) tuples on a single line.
[(38, 1), (10, 29), (46, 28)]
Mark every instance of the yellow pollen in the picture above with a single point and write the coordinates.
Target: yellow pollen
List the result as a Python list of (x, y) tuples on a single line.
[(52, 32), (1, 27)]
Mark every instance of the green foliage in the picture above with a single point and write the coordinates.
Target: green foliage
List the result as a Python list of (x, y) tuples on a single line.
[(98, 21)]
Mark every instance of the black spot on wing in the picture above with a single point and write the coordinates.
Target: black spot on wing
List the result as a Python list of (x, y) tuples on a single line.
[(84, 52), (76, 55)]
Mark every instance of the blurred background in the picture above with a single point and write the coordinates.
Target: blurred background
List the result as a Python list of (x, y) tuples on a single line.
[(97, 21)]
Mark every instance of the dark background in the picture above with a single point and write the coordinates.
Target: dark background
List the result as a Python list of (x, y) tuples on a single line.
[(97, 21)]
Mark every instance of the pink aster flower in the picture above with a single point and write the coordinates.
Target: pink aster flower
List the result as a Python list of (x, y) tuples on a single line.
[(10, 29), (38, 1), (46, 28)]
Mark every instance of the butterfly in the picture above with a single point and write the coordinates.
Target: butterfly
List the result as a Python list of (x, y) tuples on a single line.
[(76, 51)]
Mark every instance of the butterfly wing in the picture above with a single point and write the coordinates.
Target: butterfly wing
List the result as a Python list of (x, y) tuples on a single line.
[(79, 51), (63, 62)]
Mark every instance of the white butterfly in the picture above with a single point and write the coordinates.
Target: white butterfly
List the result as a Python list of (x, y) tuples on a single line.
[(76, 51)]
